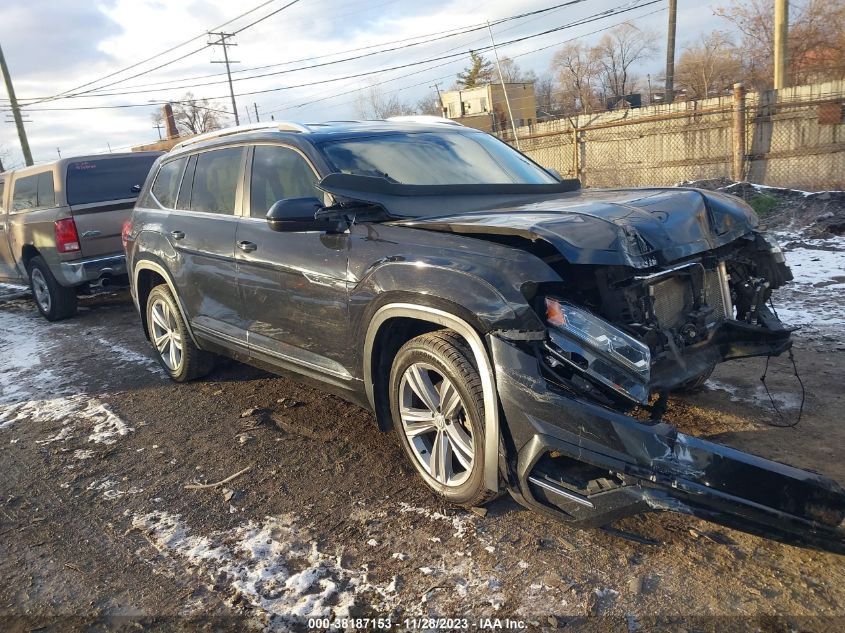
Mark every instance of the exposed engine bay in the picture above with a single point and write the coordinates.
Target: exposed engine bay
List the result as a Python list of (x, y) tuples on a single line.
[(687, 317)]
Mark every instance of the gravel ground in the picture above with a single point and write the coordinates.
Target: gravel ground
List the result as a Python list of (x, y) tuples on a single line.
[(326, 516)]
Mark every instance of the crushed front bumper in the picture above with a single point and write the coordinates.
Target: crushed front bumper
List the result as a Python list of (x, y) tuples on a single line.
[(587, 465)]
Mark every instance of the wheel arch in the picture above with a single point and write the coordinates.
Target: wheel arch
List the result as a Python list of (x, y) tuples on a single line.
[(144, 275), (435, 318)]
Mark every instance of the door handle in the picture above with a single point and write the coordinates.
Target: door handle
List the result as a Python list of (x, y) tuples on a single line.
[(177, 235), (247, 247)]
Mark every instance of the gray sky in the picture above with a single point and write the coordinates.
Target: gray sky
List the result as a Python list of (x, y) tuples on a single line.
[(54, 46)]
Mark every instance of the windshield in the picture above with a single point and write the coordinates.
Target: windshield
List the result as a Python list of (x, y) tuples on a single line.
[(104, 179), (434, 158)]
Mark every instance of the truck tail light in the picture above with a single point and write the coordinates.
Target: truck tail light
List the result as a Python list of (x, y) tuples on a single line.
[(125, 231), (67, 239)]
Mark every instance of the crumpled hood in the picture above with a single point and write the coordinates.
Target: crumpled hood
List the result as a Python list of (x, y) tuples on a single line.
[(633, 227)]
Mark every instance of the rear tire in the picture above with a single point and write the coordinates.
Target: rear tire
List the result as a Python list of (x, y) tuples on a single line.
[(437, 404), (174, 349), (55, 301)]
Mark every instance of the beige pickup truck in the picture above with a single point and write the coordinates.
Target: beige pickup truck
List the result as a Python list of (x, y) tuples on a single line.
[(60, 225)]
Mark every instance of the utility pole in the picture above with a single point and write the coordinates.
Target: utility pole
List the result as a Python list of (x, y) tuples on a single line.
[(225, 44), (248, 117), (16, 110), (157, 126), (59, 152), (255, 105), (670, 52), (436, 86), (504, 87), (781, 37)]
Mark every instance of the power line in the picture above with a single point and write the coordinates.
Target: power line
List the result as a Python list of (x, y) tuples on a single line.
[(440, 36), (587, 20), (165, 52)]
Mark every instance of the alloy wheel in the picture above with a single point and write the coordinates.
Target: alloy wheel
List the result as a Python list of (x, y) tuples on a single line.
[(165, 334), (434, 420), (42, 291)]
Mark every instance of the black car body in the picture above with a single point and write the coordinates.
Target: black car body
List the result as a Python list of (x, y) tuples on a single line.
[(572, 308)]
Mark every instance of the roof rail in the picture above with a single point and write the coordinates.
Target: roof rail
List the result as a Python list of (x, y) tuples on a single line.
[(423, 118), (281, 126)]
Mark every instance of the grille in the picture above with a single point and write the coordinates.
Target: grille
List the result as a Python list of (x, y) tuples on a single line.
[(672, 297)]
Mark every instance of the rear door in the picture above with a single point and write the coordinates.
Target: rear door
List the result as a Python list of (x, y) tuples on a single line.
[(201, 231), (292, 285), (101, 193), (7, 262)]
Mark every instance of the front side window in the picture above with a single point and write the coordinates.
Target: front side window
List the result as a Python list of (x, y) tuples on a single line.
[(434, 158), (25, 194), (104, 179), (166, 185), (277, 173), (216, 181)]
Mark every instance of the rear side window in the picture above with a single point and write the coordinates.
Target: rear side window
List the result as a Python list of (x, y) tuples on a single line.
[(216, 181), (2, 191), (104, 179), (25, 194), (46, 192), (166, 185)]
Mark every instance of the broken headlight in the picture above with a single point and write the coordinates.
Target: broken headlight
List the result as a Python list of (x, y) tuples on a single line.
[(598, 349)]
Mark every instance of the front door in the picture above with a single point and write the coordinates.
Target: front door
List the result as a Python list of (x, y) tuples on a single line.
[(202, 231), (292, 285)]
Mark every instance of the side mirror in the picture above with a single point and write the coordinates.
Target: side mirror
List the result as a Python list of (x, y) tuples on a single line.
[(295, 215), (554, 172)]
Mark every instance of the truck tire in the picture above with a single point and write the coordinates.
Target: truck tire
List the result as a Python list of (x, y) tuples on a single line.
[(54, 301), (174, 349), (437, 404)]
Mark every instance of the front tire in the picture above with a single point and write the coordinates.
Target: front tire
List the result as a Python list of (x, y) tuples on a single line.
[(175, 350), (55, 301), (437, 404), (696, 383)]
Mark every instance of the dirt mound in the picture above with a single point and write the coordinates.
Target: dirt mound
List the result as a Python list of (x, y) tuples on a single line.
[(816, 214)]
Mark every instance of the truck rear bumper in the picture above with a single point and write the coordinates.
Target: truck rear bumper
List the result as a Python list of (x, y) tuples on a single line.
[(84, 270), (588, 465)]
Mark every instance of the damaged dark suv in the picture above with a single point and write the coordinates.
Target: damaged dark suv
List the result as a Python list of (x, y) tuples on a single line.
[(502, 321)]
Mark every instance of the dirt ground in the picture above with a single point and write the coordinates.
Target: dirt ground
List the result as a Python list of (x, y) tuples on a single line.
[(100, 532)]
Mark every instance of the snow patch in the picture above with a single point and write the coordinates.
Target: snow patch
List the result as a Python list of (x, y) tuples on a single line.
[(758, 398), (71, 412), (460, 524), (132, 356), (271, 563)]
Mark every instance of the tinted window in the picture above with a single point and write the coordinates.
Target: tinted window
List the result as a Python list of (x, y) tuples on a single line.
[(46, 192), (2, 191), (216, 181), (106, 178), (166, 185), (435, 158), (25, 193), (184, 201), (277, 173)]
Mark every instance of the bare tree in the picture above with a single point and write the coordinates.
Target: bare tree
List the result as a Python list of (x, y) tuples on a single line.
[(546, 93), (578, 72), (708, 67), (479, 72), (373, 104), (430, 104), (196, 116), (816, 40), (512, 73), (617, 52)]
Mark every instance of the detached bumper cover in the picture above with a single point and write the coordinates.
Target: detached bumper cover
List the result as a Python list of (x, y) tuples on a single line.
[(651, 467), (80, 271)]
